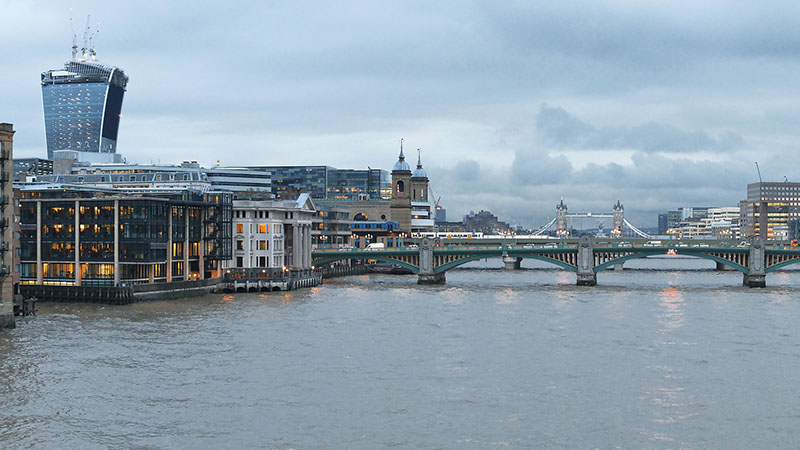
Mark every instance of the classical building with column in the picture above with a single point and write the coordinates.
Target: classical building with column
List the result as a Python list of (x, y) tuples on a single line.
[(73, 235), (272, 234)]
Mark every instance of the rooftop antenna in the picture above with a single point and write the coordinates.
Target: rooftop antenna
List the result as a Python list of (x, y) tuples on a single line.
[(785, 180), (85, 37), (759, 173), (74, 37), (92, 54)]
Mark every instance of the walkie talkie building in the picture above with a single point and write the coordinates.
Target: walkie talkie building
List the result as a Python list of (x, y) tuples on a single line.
[(82, 107)]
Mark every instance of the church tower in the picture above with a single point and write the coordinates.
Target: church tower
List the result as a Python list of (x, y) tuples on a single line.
[(419, 182), (401, 192)]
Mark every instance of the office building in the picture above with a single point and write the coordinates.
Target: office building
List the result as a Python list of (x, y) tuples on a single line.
[(329, 183), (243, 183), (92, 236), (82, 108), (24, 168), (771, 205)]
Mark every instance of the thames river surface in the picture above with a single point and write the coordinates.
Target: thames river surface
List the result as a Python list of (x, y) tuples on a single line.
[(493, 359)]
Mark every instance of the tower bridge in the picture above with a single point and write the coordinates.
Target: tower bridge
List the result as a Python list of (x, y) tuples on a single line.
[(586, 257), (620, 223)]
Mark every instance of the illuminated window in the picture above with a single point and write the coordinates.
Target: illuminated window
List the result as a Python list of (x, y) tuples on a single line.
[(239, 228)]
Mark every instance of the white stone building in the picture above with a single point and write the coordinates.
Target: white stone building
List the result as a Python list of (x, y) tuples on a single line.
[(272, 234)]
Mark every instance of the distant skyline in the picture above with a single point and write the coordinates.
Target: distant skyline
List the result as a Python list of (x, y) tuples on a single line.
[(514, 104)]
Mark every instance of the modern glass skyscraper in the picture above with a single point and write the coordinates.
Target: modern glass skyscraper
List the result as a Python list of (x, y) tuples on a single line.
[(82, 107)]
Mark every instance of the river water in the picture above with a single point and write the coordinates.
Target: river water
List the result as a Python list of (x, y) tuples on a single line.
[(493, 359)]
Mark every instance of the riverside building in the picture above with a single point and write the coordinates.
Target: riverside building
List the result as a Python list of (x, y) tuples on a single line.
[(74, 235), (272, 235), (8, 276)]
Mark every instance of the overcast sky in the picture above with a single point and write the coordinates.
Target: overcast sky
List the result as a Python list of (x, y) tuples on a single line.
[(514, 104)]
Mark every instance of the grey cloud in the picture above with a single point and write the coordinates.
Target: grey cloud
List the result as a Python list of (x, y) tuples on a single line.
[(564, 130), (531, 168)]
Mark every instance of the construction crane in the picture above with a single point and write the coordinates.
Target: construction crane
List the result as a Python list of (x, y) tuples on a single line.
[(759, 173)]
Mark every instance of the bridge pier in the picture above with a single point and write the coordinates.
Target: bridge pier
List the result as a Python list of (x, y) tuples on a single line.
[(431, 278), (426, 274), (756, 275), (586, 274), (512, 263)]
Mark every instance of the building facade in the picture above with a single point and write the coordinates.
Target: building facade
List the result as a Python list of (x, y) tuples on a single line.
[(770, 205), (8, 276), (329, 183), (24, 168), (82, 108), (82, 235), (272, 234)]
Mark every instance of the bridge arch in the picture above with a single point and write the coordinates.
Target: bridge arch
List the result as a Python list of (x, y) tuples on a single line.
[(631, 256), (330, 259), (454, 264), (781, 265)]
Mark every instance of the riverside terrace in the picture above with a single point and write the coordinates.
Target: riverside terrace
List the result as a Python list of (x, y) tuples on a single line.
[(585, 257)]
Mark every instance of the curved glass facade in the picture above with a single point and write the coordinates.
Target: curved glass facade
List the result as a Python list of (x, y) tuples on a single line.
[(82, 107)]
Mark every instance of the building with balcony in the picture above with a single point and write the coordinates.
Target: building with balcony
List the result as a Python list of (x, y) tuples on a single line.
[(8, 276), (73, 235)]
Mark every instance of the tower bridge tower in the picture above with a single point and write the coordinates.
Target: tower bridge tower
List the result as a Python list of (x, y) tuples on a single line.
[(619, 220), (561, 219)]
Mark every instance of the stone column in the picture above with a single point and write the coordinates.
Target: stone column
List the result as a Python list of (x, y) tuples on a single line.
[(169, 245), (39, 274), (586, 275), (77, 225), (308, 246), (295, 246), (185, 243), (426, 274), (756, 275), (117, 274)]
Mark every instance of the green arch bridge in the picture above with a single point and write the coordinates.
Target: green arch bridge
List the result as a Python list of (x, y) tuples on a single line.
[(430, 260)]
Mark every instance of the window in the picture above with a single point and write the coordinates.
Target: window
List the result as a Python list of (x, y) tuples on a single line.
[(263, 228), (239, 228), (239, 245)]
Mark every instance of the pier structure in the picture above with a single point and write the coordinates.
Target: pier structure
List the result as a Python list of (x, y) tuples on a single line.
[(586, 257)]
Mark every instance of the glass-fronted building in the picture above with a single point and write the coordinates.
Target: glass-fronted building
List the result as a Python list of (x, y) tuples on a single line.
[(330, 183), (90, 236), (82, 107)]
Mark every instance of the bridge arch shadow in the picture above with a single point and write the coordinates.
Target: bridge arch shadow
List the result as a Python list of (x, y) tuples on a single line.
[(643, 255), (469, 259), (330, 259)]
